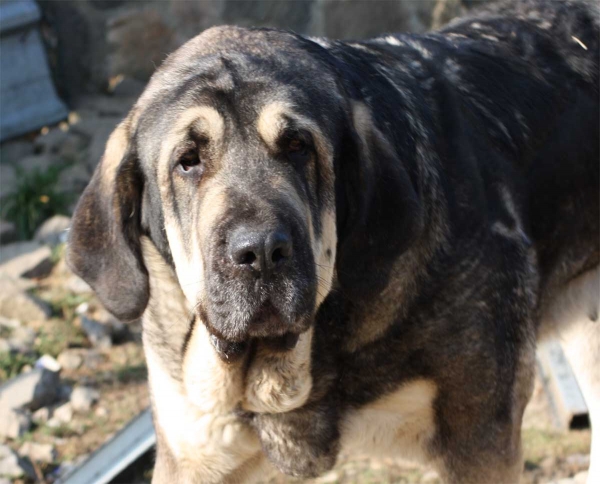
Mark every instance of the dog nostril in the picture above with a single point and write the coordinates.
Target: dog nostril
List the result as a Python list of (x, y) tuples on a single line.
[(247, 259), (277, 255)]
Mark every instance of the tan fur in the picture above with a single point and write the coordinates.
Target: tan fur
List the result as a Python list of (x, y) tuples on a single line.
[(113, 154), (280, 382), (399, 424), (208, 442), (573, 317)]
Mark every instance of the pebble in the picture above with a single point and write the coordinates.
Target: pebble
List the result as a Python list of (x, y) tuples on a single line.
[(430, 477), (62, 414), (41, 415), (70, 359), (99, 334), (83, 398), (21, 339), (38, 452), (53, 231), (14, 423), (15, 303), (32, 390), (9, 463), (29, 260), (49, 363)]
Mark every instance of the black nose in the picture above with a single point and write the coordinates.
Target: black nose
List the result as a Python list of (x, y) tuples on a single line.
[(263, 251)]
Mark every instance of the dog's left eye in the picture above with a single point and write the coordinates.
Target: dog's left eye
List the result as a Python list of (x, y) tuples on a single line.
[(189, 161), (297, 149)]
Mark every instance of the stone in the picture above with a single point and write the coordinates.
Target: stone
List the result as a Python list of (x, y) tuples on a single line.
[(430, 477), (98, 130), (92, 359), (83, 398), (63, 143), (8, 323), (8, 179), (578, 461), (98, 334), (36, 452), (12, 251), (9, 463), (49, 363), (581, 477), (32, 390), (61, 415), (13, 151), (8, 231), (41, 162), (138, 40), (14, 423), (70, 359), (21, 339), (53, 231), (5, 346), (128, 87), (41, 415), (77, 285), (33, 261), (15, 303), (101, 412)]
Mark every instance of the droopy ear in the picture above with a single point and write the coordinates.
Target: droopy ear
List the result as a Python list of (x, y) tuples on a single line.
[(379, 212), (104, 241)]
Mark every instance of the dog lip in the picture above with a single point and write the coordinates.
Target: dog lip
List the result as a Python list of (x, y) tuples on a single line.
[(228, 350), (287, 342)]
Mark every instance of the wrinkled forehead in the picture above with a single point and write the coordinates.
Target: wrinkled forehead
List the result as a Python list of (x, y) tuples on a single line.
[(238, 82)]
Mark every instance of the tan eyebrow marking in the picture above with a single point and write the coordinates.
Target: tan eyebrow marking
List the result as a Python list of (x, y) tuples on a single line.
[(271, 123)]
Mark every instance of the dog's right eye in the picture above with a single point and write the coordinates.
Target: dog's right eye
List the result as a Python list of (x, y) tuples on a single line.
[(190, 161)]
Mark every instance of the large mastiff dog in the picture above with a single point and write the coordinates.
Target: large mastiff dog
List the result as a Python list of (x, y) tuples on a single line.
[(353, 246)]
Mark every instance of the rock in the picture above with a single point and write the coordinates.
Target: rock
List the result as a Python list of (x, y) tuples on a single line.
[(49, 363), (549, 463), (15, 303), (101, 412), (430, 477), (12, 251), (99, 334), (9, 323), (581, 477), (83, 398), (65, 143), (8, 179), (61, 415), (98, 130), (14, 423), (21, 339), (92, 359), (8, 232), (9, 463), (70, 359), (32, 390), (138, 40), (45, 453), (577, 462), (13, 151), (41, 162), (53, 231), (77, 285), (64, 392), (128, 87), (33, 260), (5, 346), (41, 415)]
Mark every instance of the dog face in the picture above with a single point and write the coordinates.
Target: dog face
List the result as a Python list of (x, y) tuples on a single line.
[(242, 162)]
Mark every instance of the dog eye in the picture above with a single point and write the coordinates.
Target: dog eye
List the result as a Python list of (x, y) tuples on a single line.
[(189, 161), (296, 145)]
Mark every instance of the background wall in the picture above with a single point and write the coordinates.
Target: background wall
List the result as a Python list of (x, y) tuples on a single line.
[(92, 41)]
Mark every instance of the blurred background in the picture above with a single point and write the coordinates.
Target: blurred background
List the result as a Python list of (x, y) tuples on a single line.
[(71, 376)]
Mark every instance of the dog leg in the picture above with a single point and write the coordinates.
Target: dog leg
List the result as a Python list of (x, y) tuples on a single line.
[(574, 315)]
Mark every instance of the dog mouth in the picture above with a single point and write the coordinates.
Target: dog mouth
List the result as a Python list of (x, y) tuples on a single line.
[(267, 327)]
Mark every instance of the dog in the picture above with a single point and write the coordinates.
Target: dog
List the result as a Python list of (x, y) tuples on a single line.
[(354, 246)]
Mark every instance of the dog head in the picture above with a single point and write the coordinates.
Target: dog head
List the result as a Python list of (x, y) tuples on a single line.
[(261, 177)]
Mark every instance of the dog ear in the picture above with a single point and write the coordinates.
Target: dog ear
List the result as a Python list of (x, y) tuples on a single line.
[(104, 240), (379, 212)]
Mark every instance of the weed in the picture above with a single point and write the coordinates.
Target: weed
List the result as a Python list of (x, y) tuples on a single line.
[(34, 199), (11, 364)]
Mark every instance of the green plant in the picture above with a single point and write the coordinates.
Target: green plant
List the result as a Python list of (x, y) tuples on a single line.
[(11, 364), (34, 199)]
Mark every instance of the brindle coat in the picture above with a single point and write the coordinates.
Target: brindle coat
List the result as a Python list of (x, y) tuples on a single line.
[(435, 204)]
